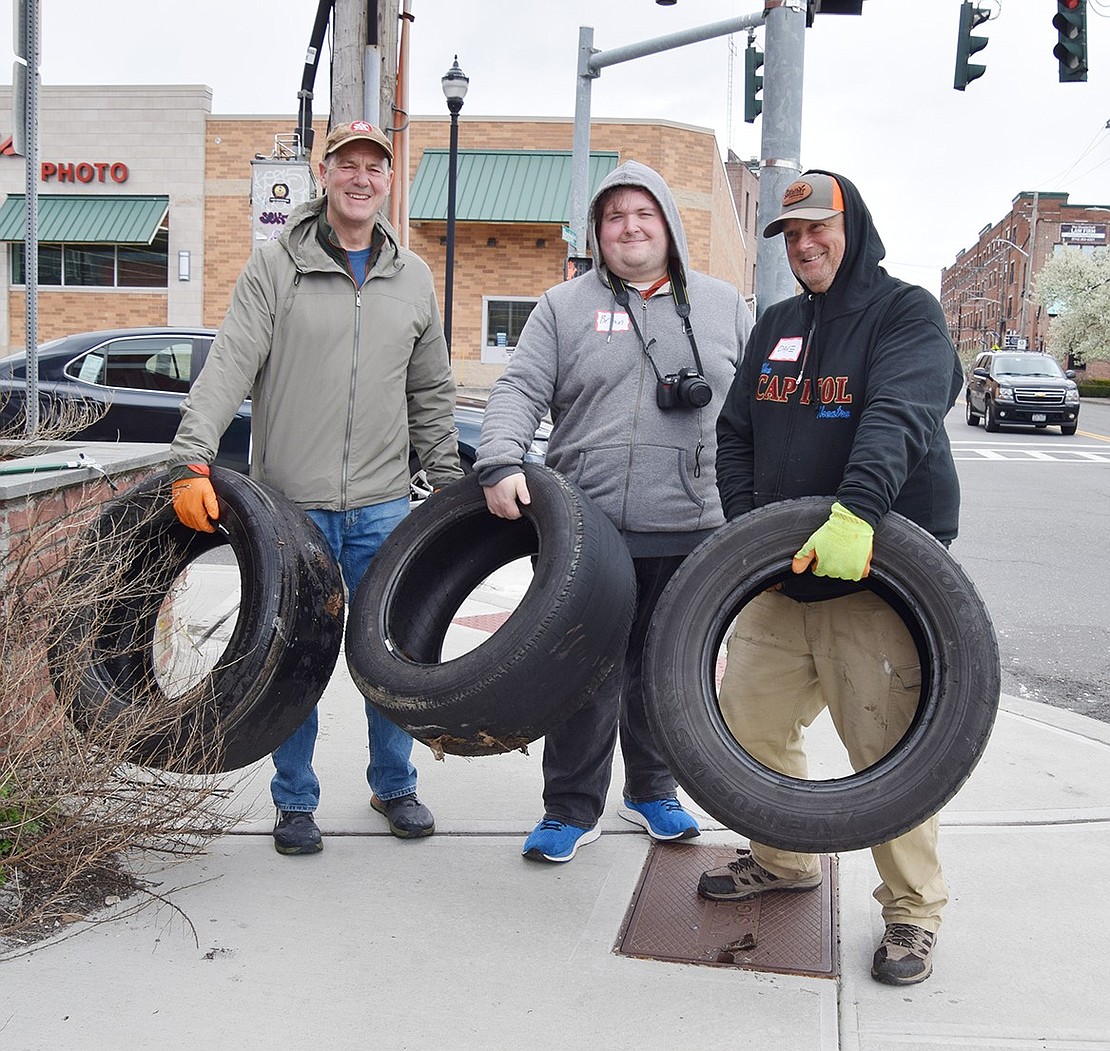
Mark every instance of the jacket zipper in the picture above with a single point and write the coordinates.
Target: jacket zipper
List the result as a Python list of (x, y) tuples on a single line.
[(811, 332), (636, 414), (351, 402)]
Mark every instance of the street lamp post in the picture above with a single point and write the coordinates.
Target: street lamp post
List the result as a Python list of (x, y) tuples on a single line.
[(455, 82)]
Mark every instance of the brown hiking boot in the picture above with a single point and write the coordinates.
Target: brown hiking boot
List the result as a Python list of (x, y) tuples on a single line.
[(904, 956), (745, 878)]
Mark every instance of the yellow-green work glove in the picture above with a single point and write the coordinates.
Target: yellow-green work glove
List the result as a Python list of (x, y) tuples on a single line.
[(840, 548)]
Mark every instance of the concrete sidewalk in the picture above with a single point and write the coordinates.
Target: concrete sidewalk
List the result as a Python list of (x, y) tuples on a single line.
[(456, 942)]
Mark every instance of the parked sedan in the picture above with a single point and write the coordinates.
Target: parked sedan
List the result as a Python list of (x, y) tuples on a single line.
[(131, 382)]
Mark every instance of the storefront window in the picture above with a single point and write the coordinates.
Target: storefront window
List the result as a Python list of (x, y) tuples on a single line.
[(98, 266), (50, 264), (142, 268), (89, 266), (504, 319)]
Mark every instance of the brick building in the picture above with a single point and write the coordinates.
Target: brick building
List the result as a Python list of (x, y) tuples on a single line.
[(148, 197), (985, 293)]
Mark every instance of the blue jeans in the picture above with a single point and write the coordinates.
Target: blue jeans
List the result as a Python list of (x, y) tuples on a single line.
[(354, 538)]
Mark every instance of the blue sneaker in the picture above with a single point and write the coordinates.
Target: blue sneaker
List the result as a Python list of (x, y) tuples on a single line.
[(553, 841), (664, 819)]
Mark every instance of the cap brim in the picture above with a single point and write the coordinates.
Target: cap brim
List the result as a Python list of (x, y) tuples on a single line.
[(362, 138), (812, 214)]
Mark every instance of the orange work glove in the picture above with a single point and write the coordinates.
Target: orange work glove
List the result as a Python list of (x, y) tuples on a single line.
[(840, 548), (194, 499)]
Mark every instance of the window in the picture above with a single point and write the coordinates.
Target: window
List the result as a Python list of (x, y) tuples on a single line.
[(140, 363), (98, 266), (502, 322)]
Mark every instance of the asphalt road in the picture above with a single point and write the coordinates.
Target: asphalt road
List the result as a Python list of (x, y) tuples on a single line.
[(1034, 526)]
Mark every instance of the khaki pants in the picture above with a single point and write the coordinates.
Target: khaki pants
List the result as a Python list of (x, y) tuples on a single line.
[(787, 661)]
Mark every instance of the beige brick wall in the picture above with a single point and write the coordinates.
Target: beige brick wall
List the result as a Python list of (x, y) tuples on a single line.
[(231, 143), (64, 311)]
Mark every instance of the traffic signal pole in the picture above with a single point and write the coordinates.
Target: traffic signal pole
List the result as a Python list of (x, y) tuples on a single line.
[(781, 145)]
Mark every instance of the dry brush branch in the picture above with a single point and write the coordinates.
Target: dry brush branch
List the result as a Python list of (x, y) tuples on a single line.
[(74, 807)]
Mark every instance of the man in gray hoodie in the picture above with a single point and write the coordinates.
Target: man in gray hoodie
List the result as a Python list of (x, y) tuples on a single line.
[(632, 360)]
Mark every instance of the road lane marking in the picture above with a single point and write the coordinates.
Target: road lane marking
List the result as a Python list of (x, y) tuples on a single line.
[(1022, 454)]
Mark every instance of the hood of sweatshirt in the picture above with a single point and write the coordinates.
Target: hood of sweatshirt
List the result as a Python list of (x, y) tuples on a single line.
[(640, 176), (859, 279)]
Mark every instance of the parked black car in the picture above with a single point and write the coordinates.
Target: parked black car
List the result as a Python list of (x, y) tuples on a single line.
[(134, 380), (1019, 387)]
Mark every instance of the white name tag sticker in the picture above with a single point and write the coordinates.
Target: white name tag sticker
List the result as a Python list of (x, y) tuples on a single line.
[(789, 348), (612, 321)]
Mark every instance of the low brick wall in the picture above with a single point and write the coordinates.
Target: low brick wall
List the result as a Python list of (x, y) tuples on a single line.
[(43, 509)]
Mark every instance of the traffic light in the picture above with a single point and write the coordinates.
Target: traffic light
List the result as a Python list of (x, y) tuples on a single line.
[(967, 45), (1071, 51), (753, 83), (830, 7)]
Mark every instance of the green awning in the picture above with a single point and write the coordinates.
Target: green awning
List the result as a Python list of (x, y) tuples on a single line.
[(501, 186), (86, 219)]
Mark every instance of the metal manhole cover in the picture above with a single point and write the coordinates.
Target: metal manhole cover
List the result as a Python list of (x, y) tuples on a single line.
[(783, 932)]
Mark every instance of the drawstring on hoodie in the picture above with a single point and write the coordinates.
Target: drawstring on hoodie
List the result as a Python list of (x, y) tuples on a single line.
[(811, 340)]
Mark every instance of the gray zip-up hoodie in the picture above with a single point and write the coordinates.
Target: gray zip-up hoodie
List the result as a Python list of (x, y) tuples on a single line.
[(652, 471), (342, 376)]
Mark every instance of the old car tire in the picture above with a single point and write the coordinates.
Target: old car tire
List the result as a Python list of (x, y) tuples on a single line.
[(971, 415), (282, 649), (991, 422), (554, 650), (960, 689), (1068, 428)]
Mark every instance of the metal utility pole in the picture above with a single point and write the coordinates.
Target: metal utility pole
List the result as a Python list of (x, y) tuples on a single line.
[(781, 145), (25, 127)]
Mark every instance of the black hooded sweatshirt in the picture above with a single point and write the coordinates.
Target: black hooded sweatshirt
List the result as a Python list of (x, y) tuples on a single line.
[(855, 409)]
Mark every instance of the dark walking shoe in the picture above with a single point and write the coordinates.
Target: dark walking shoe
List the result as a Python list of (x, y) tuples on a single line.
[(408, 818), (296, 833), (904, 956), (745, 878)]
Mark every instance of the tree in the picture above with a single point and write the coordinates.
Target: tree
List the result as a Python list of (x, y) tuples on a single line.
[(1074, 287)]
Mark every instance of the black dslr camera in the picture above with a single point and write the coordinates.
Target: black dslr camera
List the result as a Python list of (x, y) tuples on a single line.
[(685, 389)]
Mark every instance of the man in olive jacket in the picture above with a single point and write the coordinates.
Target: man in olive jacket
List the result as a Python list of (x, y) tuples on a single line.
[(334, 330)]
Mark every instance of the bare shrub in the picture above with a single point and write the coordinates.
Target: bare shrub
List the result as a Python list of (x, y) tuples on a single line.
[(59, 420), (76, 811)]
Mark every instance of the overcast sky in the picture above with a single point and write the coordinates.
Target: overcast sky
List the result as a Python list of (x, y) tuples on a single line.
[(934, 164)]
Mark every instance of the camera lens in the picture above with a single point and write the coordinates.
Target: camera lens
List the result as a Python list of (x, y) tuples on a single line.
[(694, 391)]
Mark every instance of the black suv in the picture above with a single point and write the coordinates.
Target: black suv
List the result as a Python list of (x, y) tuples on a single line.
[(1005, 387)]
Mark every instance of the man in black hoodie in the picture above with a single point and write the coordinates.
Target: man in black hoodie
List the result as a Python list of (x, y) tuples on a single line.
[(843, 391)]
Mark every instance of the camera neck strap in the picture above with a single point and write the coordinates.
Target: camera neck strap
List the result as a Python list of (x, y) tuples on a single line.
[(681, 305)]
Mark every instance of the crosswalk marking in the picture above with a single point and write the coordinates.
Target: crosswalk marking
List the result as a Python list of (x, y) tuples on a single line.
[(967, 451)]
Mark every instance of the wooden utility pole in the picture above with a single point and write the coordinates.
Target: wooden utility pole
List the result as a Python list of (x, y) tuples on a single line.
[(364, 61)]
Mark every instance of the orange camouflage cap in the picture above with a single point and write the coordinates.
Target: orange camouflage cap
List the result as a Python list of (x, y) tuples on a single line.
[(815, 196)]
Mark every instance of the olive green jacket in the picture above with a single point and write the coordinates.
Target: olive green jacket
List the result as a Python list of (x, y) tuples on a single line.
[(341, 378)]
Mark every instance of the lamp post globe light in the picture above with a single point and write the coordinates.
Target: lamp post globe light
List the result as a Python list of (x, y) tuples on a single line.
[(455, 82)]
